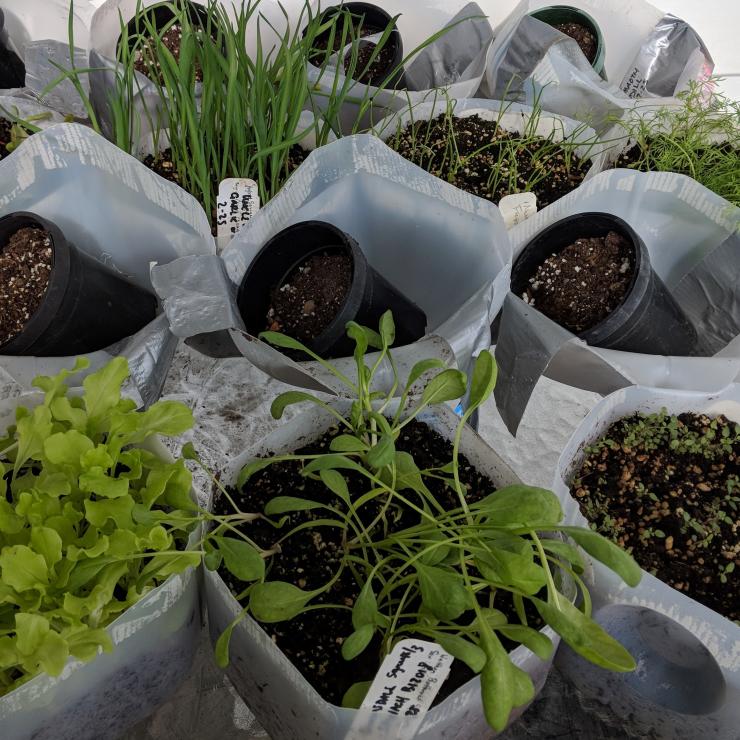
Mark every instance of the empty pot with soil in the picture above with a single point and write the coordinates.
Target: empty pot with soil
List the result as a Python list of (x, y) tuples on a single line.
[(311, 279), (591, 274), (57, 300), (355, 22), (581, 27), (12, 69)]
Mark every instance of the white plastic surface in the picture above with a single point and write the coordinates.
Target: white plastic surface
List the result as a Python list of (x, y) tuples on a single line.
[(268, 682), (720, 635), (154, 644)]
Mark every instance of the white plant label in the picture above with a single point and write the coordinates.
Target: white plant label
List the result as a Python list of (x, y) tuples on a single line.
[(517, 208), (402, 692), (238, 201)]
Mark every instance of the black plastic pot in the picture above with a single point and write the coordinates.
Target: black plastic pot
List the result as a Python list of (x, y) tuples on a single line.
[(374, 16), (12, 69), (647, 321), (557, 14), (87, 306), (369, 297), (161, 14)]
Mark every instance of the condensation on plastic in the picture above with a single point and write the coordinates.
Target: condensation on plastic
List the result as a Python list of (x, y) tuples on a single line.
[(531, 61), (719, 635), (511, 116), (399, 214), (692, 237), (116, 210), (266, 679), (154, 646), (456, 63)]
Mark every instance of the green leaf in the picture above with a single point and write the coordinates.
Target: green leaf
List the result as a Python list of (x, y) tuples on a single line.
[(523, 505), (289, 504), (87, 644), (103, 389), (335, 483), (289, 399), (284, 342), (382, 454), (522, 688), (605, 551), (511, 569), (97, 482), (67, 448), (357, 641), (365, 610), (408, 475), (564, 552), (483, 381), (332, 462), (63, 410), (47, 543), (221, 651), (449, 385), (387, 329), (277, 601), (421, 367), (241, 559), (584, 635), (118, 510), (55, 386), (41, 647), (462, 649), (347, 443), (166, 418), (497, 691), (31, 430), (443, 592), (355, 694), (537, 642), (23, 569), (10, 522)]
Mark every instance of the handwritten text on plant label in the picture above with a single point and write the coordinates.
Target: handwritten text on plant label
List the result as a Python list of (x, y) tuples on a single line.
[(238, 201)]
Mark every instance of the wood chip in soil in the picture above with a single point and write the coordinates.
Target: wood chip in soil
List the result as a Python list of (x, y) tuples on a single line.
[(146, 61), (25, 267), (580, 286), (311, 297), (310, 558), (503, 167), (163, 165), (583, 37), (667, 489)]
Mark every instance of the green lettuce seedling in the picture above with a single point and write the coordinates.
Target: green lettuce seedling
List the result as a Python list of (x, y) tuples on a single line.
[(90, 521)]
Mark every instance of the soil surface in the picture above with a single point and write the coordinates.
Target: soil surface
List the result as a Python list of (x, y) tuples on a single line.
[(579, 287), (310, 558), (583, 36), (25, 267), (5, 137), (163, 165), (667, 489), (12, 69), (489, 161), (146, 61), (312, 295)]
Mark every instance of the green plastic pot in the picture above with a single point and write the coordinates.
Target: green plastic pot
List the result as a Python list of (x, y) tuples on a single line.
[(557, 14)]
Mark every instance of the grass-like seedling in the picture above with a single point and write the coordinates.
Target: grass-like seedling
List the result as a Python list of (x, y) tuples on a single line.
[(481, 156), (700, 138)]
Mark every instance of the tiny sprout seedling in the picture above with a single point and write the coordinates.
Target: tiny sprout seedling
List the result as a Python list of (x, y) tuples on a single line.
[(443, 577)]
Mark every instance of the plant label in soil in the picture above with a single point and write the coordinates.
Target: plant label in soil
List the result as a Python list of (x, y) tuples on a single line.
[(517, 208), (403, 691), (238, 201)]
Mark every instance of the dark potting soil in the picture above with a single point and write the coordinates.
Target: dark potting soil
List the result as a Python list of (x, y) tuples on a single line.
[(25, 266), (310, 558), (426, 144), (363, 73), (667, 489), (146, 61), (6, 128), (583, 36), (163, 165), (311, 296), (12, 69), (579, 287)]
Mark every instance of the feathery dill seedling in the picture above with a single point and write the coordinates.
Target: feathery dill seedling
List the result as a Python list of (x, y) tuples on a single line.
[(699, 138)]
